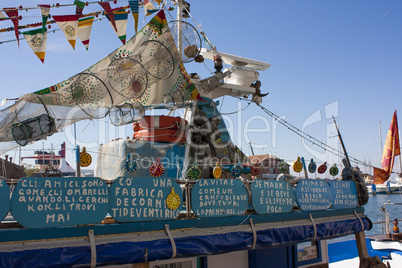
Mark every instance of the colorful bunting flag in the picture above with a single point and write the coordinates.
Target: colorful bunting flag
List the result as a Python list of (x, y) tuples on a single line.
[(159, 1), (12, 13), (134, 11), (2, 17), (79, 7), (69, 25), (84, 30), (149, 8), (36, 40), (109, 12), (120, 17), (45, 15)]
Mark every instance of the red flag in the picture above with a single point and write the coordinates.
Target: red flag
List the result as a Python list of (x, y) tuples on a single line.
[(109, 12), (12, 13), (380, 176)]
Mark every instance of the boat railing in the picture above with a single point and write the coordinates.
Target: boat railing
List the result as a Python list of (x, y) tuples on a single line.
[(385, 222)]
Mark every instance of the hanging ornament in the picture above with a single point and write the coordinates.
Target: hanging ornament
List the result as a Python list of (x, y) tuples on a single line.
[(194, 173), (217, 172), (85, 158), (130, 164), (236, 170), (334, 170), (173, 200), (312, 166), (255, 169), (298, 166), (283, 167), (322, 168), (157, 169)]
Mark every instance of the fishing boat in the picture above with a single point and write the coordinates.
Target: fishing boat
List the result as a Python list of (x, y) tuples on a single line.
[(178, 192)]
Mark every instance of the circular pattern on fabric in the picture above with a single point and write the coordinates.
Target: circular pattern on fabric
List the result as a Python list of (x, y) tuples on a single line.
[(130, 164), (255, 169), (173, 200), (236, 171), (283, 167), (157, 169), (312, 166), (297, 166), (217, 171), (334, 170), (321, 169), (37, 41), (85, 158), (194, 173), (69, 30), (157, 59)]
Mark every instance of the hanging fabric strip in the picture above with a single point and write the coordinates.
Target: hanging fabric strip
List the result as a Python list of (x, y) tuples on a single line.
[(12, 13), (45, 9), (69, 25), (120, 17), (84, 30), (134, 10), (109, 12), (79, 7), (36, 40)]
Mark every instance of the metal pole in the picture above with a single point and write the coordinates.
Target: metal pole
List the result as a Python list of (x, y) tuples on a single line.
[(379, 129), (78, 161)]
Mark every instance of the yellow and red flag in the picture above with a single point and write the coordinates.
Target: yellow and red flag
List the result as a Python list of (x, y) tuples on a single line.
[(391, 149)]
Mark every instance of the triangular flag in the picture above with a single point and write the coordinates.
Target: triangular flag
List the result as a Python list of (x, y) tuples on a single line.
[(79, 7), (69, 25), (2, 17), (12, 13), (149, 8), (159, 1), (120, 17), (134, 11), (45, 14), (109, 12), (36, 40), (84, 30)]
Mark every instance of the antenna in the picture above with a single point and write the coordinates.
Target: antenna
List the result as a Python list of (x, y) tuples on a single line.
[(251, 147)]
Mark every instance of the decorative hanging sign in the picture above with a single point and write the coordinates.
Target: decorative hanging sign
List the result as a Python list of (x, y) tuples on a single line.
[(236, 171), (271, 196), (157, 169), (255, 169), (283, 167), (84, 30), (85, 158), (312, 166), (4, 199), (322, 168), (297, 165), (344, 194), (51, 202), (130, 164), (69, 25), (145, 199), (219, 198), (194, 173), (313, 195), (334, 170), (36, 40), (217, 172)]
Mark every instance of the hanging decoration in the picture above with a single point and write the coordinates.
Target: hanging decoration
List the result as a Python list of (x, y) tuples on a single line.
[(297, 166), (283, 167), (194, 173), (134, 11), (69, 25), (120, 17), (322, 168), (84, 30), (255, 169), (12, 13), (157, 169), (2, 17), (334, 170), (79, 7), (149, 8), (36, 40), (45, 9), (85, 158), (217, 171), (109, 13), (130, 164), (312, 166), (236, 171), (173, 200)]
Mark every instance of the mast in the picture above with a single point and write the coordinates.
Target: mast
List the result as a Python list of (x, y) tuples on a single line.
[(379, 129)]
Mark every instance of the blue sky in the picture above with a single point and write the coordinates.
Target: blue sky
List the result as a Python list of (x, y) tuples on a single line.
[(343, 55)]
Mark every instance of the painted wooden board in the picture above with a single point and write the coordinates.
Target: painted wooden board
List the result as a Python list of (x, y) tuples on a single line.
[(144, 199), (4, 199), (344, 194), (313, 195), (219, 198), (52, 202), (271, 196)]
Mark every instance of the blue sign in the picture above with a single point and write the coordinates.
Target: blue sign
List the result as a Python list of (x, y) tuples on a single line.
[(313, 195), (219, 197), (52, 202), (4, 199), (344, 194), (145, 199), (271, 196)]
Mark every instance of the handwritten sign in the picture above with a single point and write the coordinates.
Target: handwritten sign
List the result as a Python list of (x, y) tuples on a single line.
[(4, 199), (313, 195), (145, 199), (344, 194), (219, 197), (51, 202), (271, 196)]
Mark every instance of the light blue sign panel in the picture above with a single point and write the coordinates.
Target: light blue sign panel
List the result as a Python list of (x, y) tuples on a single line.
[(313, 195), (52, 202), (219, 197), (344, 194), (144, 199), (271, 196), (4, 199)]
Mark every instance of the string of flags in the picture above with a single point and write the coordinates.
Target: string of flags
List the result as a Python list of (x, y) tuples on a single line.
[(76, 25)]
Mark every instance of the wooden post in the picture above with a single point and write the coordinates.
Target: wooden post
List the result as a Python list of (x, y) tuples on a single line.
[(361, 246)]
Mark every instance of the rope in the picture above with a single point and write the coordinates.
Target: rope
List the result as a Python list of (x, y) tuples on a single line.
[(315, 227)]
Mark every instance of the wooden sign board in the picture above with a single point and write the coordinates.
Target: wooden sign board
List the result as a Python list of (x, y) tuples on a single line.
[(4, 199), (344, 194), (52, 202), (313, 195), (219, 197), (145, 199), (269, 196)]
